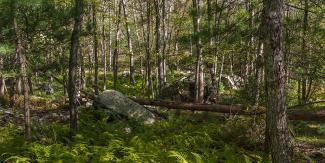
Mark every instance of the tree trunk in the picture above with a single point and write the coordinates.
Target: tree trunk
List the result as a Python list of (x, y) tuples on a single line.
[(295, 113), (65, 86), (259, 64), (30, 85), (212, 43), (304, 55), (2, 79), (90, 66), (258, 73), (23, 71), (158, 46), (117, 40), (143, 58), (164, 41), (19, 85), (276, 116), (2, 86), (139, 42), (148, 53), (110, 43), (199, 75), (95, 39), (220, 75), (78, 16), (104, 48), (130, 46), (82, 70)]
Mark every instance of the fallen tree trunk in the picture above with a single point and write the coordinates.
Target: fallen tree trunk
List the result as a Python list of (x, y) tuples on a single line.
[(235, 109), (293, 114), (306, 115)]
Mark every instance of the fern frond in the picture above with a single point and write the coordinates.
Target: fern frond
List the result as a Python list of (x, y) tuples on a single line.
[(180, 157)]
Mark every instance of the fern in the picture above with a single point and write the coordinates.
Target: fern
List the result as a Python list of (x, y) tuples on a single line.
[(18, 159), (198, 158), (180, 157)]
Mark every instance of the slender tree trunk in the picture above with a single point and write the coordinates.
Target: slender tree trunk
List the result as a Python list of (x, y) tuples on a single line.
[(276, 120), (23, 70), (304, 55), (158, 48), (231, 61), (212, 43), (199, 75), (299, 91), (95, 41), (130, 45), (117, 40), (82, 70), (143, 58), (258, 73), (139, 42), (164, 42), (19, 85), (104, 51), (65, 82), (90, 65), (259, 64), (220, 74), (2, 86), (250, 43), (2, 79), (30, 85), (78, 16), (110, 43), (148, 53)]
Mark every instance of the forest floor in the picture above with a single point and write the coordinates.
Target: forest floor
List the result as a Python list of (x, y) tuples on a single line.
[(183, 136)]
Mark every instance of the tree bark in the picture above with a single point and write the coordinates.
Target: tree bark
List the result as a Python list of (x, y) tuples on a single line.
[(295, 113), (130, 45), (164, 41), (2, 86), (23, 71), (148, 52), (90, 65), (304, 55), (160, 63), (117, 40), (258, 73), (104, 50), (199, 74), (82, 70), (2, 79), (78, 16), (95, 41), (212, 43), (276, 116), (220, 75)]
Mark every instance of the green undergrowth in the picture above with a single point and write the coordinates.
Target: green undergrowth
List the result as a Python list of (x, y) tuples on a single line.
[(312, 133), (103, 139)]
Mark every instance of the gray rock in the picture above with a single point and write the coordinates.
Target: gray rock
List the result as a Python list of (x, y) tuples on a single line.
[(48, 89), (118, 103)]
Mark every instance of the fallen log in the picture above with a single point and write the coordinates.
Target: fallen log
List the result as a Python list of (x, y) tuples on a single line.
[(293, 114), (235, 109), (307, 115)]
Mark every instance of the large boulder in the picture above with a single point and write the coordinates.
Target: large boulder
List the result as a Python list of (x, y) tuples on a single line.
[(118, 103)]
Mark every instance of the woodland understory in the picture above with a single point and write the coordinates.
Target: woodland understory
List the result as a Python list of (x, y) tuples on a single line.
[(225, 80)]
